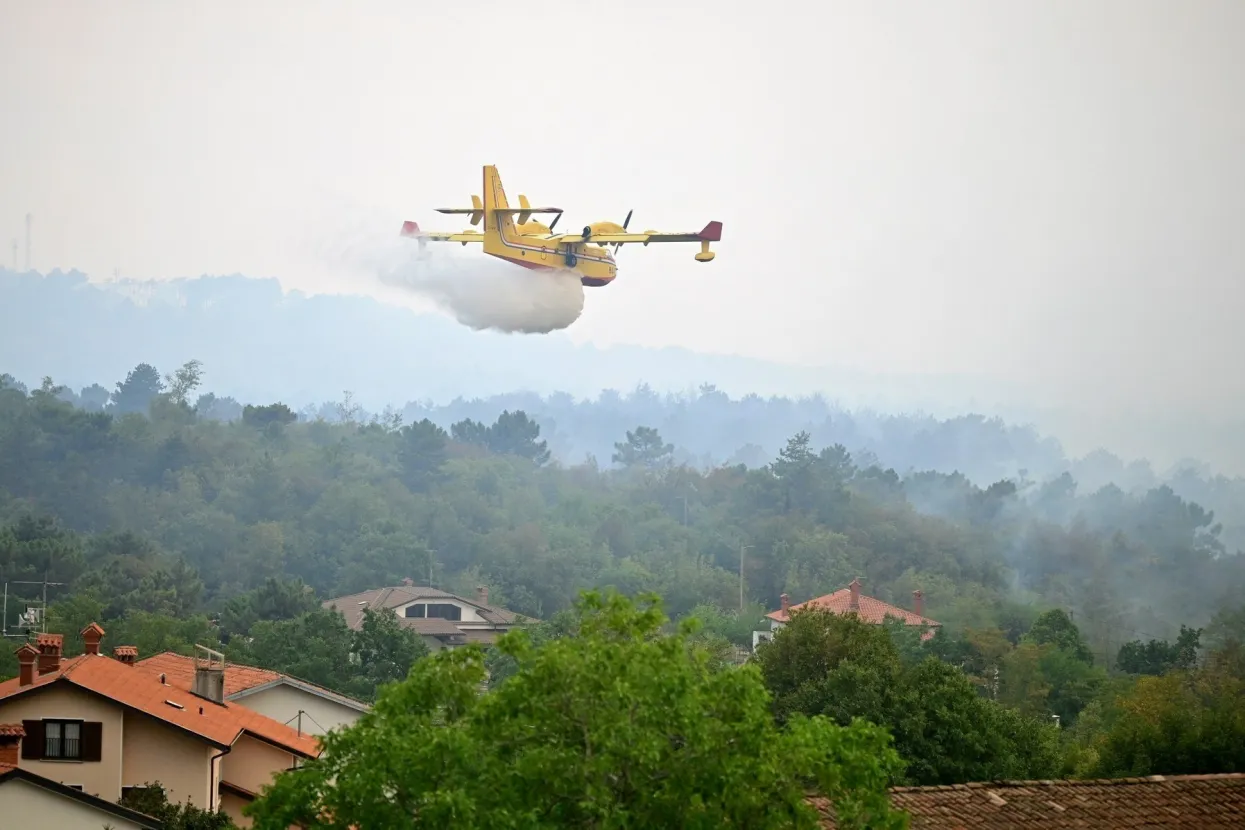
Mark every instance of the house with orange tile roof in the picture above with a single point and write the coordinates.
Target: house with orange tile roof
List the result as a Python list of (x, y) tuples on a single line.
[(307, 707), (101, 724), (849, 600)]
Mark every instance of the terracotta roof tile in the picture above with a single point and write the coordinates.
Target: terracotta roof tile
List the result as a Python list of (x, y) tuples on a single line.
[(871, 610), (220, 724), (54, 641), (1206, 802), (179, 670), (12, 730)]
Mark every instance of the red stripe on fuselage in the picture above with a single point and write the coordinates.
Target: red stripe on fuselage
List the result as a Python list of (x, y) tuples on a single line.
[(590, 282)]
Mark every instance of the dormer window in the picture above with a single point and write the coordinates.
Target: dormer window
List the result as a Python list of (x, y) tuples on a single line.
[(434, 610)]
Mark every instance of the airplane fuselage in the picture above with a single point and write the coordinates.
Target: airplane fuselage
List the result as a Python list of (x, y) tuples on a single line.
[(521, 241), (526, 245)]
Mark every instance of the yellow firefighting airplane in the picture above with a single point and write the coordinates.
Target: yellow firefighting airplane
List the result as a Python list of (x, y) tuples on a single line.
[(534, 245)]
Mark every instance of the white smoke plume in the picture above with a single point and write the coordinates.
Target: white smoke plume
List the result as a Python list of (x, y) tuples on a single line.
[(480, 291)]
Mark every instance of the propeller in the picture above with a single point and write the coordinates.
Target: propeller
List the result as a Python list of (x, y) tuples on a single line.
[(554, 222), (626, 222)]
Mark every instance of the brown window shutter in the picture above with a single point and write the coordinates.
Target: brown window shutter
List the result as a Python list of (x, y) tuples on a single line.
[(32, 743), (92, 741)]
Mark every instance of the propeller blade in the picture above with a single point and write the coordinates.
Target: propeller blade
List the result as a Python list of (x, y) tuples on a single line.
[(626, 222), (554, 222)]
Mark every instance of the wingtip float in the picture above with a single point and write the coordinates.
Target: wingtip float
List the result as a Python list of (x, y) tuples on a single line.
[(511, 234)]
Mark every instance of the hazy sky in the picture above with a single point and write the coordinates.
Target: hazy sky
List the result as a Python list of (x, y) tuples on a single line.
[(1051, 193)]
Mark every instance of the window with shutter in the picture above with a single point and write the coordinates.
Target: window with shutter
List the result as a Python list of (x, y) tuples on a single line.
[(92, 741), (32, 744), (62, 740)]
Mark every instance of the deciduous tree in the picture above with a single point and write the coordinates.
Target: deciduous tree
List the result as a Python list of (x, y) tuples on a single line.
[(618, 727)]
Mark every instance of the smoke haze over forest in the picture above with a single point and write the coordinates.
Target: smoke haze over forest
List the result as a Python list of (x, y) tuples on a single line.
[(260, 345), (261, 342)]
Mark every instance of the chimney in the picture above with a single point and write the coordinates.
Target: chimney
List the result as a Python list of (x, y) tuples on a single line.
[(126, 654), (26, 656), (482, 594), (209, 674), (786, 604), (49, 646), (11, 735), (91, 635), (407, 581), (918, 602), (855, 586)]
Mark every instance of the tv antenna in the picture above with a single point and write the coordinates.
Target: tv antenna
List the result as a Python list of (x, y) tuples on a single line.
[(32, 620)]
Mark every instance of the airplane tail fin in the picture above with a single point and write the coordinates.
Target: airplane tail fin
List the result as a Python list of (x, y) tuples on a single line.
[(495, 201)]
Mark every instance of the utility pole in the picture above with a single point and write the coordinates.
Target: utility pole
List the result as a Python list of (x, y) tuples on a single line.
[(742, 548), (28, 218)]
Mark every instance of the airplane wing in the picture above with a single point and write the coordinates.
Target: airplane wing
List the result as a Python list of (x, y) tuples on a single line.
[(411, 229), (710, 233)]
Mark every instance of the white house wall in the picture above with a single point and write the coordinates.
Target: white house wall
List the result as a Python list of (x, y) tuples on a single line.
[(27, 805), (470, 614), (282, 703)]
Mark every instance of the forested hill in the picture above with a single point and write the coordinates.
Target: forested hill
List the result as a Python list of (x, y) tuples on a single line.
[(174, 528), (208, 510), (260, 343), (707, 428)]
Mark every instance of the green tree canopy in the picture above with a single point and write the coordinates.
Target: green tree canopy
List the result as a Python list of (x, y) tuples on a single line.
[(138, 390), (643, 448), (1159, 656), (830, 664), (620, 726)]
